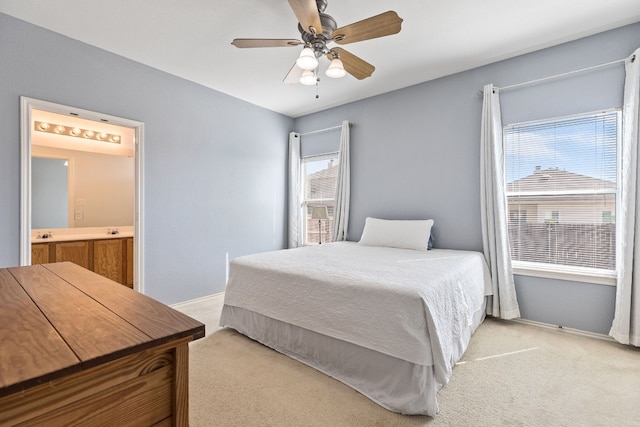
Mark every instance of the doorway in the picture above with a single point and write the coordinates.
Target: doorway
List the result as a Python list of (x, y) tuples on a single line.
[(101, 136)]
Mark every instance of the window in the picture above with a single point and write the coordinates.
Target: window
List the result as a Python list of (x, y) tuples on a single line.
[(319, 178), (608, 218), (551, 217), (561, 186)]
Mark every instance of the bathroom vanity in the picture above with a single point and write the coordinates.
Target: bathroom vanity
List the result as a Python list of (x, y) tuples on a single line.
[(110, 255)]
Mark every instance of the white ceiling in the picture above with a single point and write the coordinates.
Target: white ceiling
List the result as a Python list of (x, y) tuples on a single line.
[(191, 39)]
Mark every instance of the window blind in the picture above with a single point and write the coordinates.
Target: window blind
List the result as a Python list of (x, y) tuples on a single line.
[(561, 180)]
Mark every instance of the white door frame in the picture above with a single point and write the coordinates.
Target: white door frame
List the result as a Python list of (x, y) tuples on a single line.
[(27, 105)]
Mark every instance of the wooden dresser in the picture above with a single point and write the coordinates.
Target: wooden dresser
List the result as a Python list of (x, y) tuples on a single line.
[(79, 349)]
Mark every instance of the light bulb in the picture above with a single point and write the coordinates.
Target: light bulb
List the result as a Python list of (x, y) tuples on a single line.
[(75, 131), (307, 59), (336, 69), (88, 134), (44, 126), (115, 138), (59, 129), (308, 78)]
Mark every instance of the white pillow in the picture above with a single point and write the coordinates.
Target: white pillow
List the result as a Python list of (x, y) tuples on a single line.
[(394, 233)]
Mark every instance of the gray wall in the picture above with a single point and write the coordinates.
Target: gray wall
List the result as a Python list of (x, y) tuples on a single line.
[(416, 154), (215, 166)]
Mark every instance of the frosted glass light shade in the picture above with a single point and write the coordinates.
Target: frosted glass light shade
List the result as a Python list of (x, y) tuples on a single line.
[(307, 59), (336, 69), (308, 78)]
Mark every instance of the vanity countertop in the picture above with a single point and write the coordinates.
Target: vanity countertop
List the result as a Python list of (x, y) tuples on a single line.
[(71, 237), (70, 234)]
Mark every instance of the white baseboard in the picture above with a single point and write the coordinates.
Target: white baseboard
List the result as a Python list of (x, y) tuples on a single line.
[(564, 329), (197, 300)]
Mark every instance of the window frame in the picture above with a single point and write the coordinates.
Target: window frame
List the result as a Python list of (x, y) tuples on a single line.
[(559, 271)]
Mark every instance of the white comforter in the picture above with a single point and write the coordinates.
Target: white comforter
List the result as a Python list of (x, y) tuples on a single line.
[(408, 304)]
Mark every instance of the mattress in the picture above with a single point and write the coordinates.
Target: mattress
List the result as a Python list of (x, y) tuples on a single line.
[(415, 310)]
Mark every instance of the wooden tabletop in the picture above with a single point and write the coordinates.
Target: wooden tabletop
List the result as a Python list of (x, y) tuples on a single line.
[(60, 318)]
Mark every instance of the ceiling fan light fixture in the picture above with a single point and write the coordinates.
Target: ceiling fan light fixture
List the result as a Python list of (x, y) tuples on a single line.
[(307, 59), (336, 69), (308, 78)]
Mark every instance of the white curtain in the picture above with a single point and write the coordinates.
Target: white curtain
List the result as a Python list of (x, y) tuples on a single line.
[(626, 321), (295, 192), (495, 238), (343, 189)]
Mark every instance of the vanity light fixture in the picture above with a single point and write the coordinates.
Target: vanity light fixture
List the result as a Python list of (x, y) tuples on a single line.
[(77, 132)]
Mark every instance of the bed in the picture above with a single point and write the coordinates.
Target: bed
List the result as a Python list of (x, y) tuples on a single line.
[(388, 322)]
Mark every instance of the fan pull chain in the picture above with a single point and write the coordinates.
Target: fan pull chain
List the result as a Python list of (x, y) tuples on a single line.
[(317, 88)]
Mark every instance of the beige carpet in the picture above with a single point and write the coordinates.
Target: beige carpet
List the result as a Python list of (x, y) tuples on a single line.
[(511, 375)]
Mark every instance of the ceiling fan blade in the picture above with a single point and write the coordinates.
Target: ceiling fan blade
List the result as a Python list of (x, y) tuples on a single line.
[(353, 65), (307, 13), (243, 43), (385, 24), (293, 76)]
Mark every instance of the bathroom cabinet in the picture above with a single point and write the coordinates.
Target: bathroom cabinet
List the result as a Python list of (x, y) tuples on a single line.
[(76, 252), (39, 254), (111, 258), (107, 259)]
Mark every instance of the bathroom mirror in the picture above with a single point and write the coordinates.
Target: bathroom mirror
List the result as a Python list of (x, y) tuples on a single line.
[(86, 189)]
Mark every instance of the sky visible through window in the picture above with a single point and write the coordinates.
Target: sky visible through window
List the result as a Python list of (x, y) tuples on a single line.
[(315, 166), (585, 145)]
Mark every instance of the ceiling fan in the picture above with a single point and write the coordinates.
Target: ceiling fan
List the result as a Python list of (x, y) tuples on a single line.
[(317, 30)]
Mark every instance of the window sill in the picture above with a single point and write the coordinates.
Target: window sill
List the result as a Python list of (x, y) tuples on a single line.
[(574, 274)]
